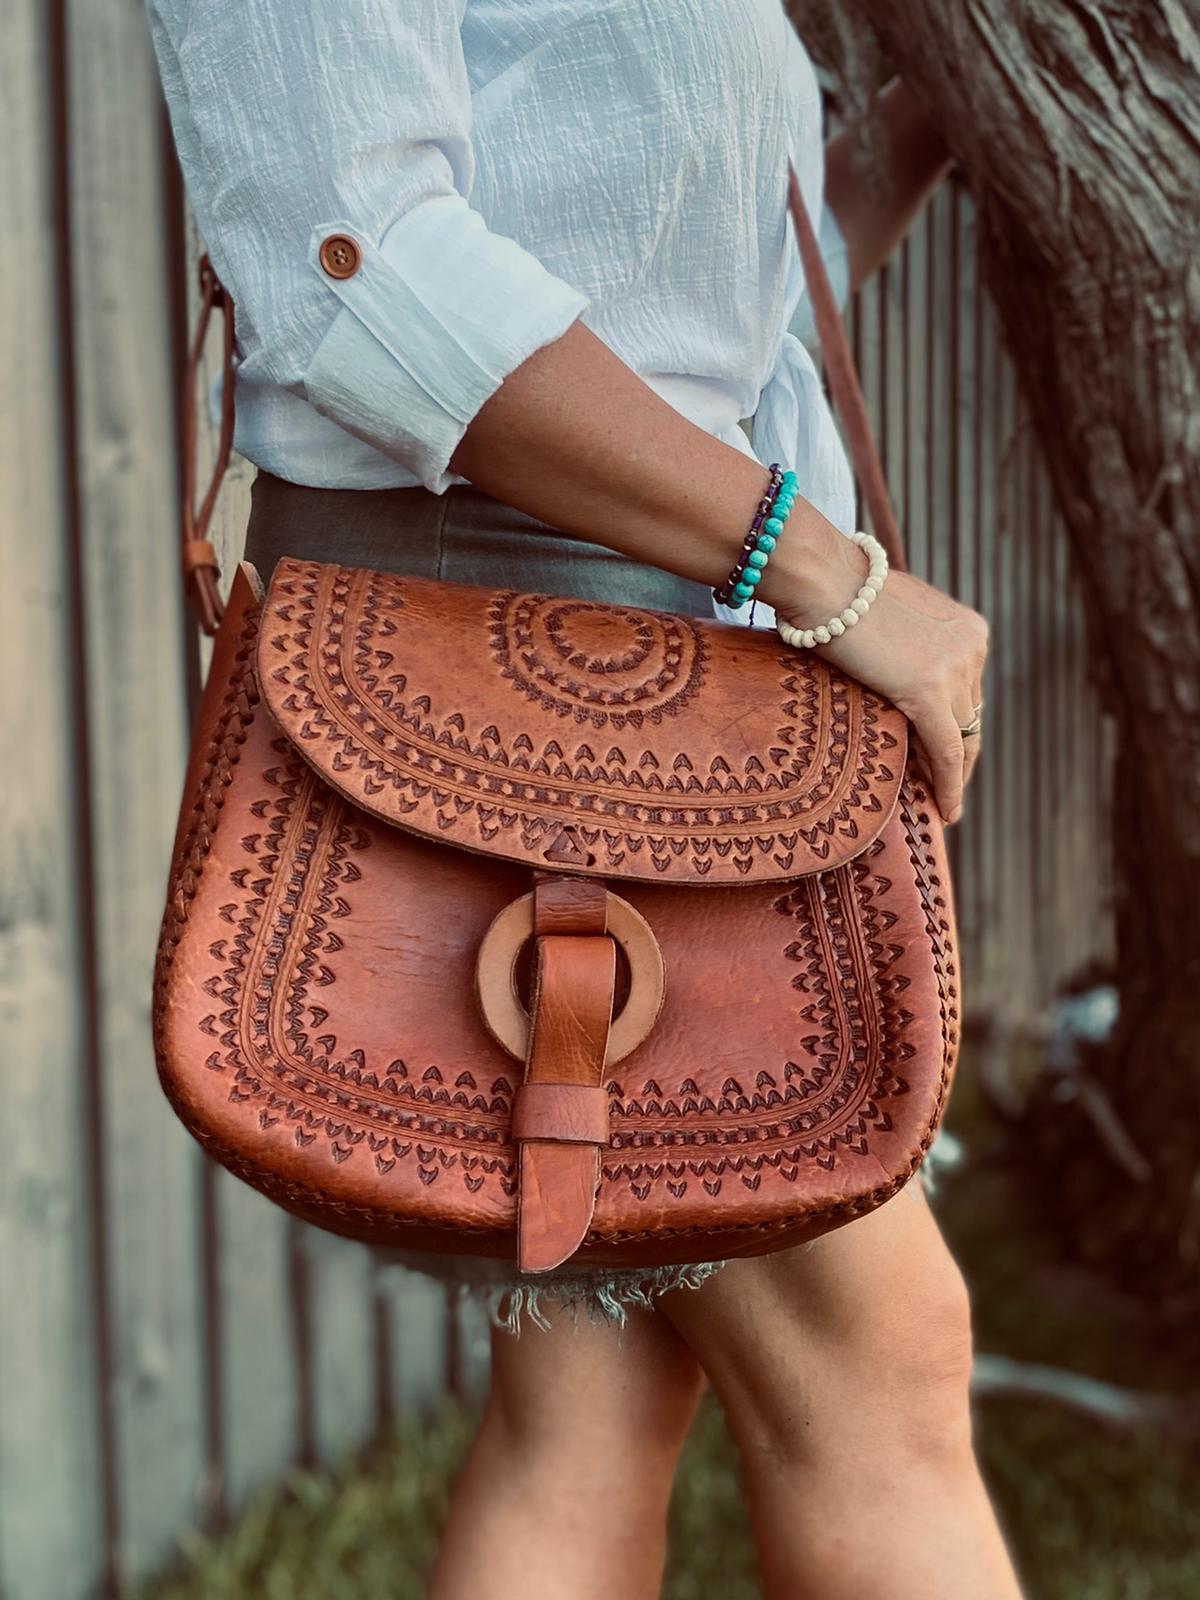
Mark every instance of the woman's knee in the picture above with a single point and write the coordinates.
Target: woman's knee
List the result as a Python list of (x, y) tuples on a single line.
[(863, 1338), (925, 1352), (894, 1390), (901, 1376)]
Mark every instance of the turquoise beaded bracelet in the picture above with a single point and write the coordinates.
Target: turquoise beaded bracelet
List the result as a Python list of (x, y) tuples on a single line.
[(765, 532)]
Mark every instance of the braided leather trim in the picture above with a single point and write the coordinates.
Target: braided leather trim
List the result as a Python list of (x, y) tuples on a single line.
[(236, 714)]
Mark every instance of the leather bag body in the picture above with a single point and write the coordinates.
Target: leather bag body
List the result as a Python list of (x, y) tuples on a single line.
[(522, 926), (384, 766)]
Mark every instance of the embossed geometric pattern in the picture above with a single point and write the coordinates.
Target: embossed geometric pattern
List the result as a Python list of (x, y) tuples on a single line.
[(315, 1017), (613, 666), (675, 751)]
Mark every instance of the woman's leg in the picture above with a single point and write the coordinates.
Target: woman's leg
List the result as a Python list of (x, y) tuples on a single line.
[(843, 1370), (565, 1493)]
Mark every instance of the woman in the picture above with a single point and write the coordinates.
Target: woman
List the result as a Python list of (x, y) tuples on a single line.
[(546, 388)]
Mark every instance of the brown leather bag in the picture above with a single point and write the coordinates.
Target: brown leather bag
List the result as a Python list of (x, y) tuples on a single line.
[(510, 924)]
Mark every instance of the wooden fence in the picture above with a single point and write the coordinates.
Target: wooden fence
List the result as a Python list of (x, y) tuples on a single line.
[(168, 1340), (1031, 853)]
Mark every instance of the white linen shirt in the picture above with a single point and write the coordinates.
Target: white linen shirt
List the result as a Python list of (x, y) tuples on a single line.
[(505, 167)]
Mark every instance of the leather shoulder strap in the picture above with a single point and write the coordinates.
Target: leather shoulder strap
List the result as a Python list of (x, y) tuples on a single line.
[(843, 379), (202, 574)]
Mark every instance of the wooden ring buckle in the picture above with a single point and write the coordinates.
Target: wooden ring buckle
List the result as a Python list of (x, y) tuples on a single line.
[(500, 1001)]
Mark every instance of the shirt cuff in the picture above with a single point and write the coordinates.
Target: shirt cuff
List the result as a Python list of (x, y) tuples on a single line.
[(433, 320)]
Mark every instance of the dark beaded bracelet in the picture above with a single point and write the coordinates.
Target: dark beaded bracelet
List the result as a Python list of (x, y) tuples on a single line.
[(760, 540), (725, 593)]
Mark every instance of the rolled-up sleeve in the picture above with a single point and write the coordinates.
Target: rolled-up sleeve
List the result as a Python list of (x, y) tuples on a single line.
[(327, 156)]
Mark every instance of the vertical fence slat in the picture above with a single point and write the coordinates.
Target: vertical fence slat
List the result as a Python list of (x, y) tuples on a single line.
[(867, 327), (52, 1544), (127, 477), (941, 314), (342, 1310), (987, 813), (416, 1308), (259, 1396), (963, 489), (1041, 694), (1066, 892), (1009, 746), (916, 397), (891, 346), (474, 1348), (1023, 724)]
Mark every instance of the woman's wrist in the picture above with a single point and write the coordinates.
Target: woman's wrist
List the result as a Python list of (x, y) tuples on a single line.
[(790, 556), (814, 571)]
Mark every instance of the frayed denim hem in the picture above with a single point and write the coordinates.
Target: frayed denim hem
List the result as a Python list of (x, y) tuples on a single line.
[(513, 1299), (604, 1296)]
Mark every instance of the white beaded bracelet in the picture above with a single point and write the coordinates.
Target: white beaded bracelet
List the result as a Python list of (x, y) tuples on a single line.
[(806, 638)]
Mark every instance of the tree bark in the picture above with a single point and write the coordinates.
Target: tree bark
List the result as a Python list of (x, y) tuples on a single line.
[(1077, 123)]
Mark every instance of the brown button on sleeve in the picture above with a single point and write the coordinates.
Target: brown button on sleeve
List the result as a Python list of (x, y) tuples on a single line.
[(340, 255)]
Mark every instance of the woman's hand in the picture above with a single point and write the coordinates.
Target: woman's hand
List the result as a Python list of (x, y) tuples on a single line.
[(917, 647)]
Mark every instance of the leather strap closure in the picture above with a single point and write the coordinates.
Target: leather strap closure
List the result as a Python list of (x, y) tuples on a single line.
[(573, 1113), (569, 905), (560, 1119), (198, 553)]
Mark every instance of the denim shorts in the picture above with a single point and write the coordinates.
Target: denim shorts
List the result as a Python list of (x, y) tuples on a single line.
[(466, 536)]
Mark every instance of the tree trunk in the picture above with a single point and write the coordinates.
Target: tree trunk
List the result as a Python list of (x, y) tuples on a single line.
[(1077, 123)]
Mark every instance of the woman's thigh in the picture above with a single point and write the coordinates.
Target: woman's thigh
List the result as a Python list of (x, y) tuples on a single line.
[(581, 1383), (855, 1334)]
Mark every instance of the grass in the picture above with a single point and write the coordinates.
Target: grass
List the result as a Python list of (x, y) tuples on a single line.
[(369, 1531), (1092, 1514)]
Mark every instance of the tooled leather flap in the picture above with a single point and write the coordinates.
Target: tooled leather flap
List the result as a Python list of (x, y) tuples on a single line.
[(573, 735)]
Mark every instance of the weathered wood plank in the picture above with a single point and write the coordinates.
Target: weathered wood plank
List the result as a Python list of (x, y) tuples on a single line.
[(984, 807), (1075, 893), (941, 316), (962, 491), (1022, 842), (126, 466), (51, 1496), (893, 432), (866, 329), (985, 812), (259, 1391), (417, 1311), (916, 398), (1009, 745), (474, 1341), (1042, 692), (341, 1282)]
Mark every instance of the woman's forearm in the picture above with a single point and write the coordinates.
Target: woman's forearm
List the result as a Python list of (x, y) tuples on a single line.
[(874, 217), (574, 437)]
